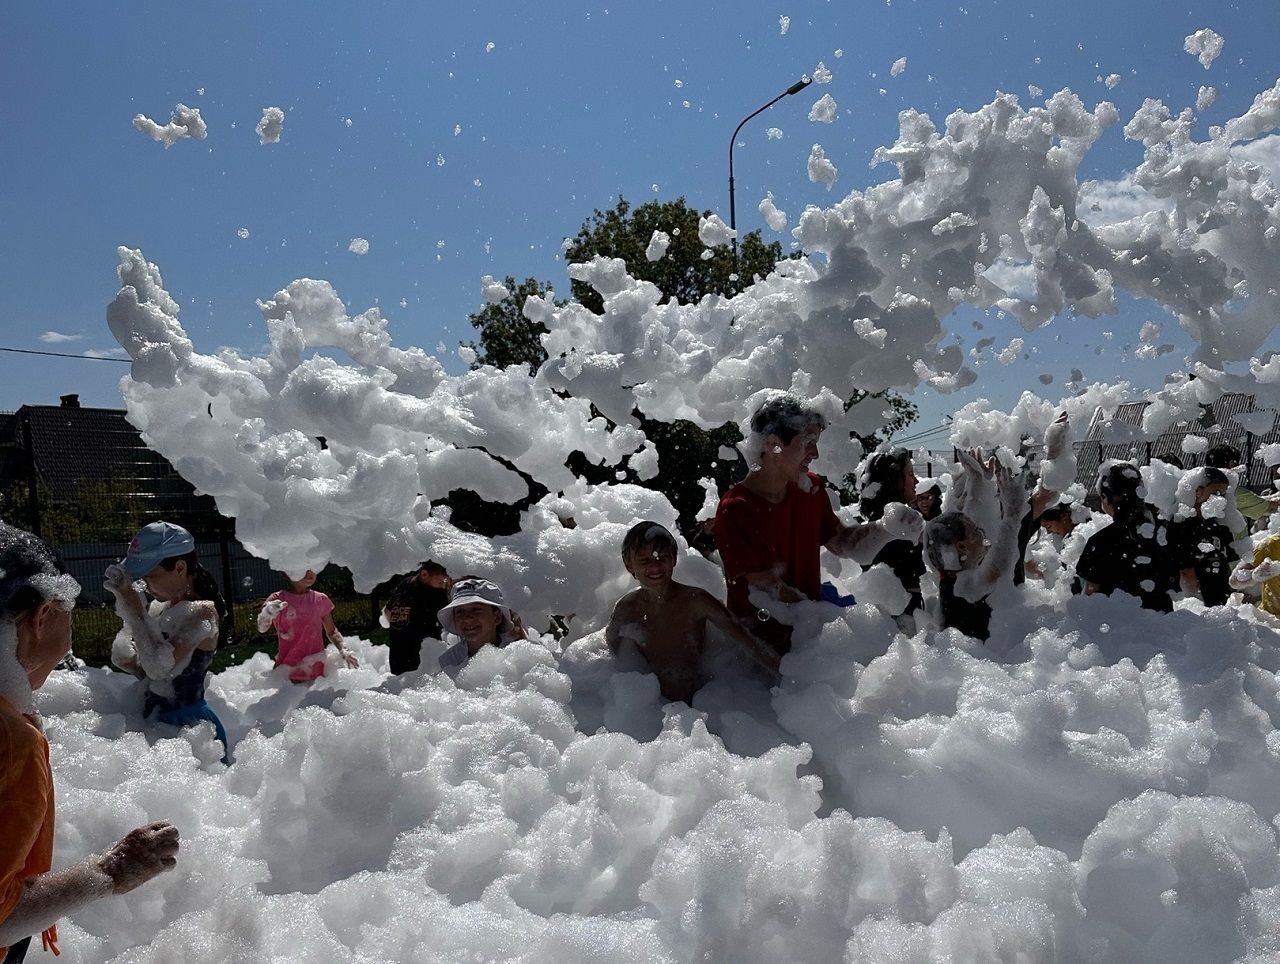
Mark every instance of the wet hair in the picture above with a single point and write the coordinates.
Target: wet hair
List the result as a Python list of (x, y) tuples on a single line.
[(1119, 484), (30, 574), (1222, 457), (786, 417), (1170, 458), (1214, 476), (433, 567), (206, 587), (941, 535), (1056, 513), (881, 482), (645, 533)]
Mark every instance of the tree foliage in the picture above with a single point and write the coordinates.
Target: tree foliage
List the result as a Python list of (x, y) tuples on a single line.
[(686, 452), (507, 337), (682, 274)]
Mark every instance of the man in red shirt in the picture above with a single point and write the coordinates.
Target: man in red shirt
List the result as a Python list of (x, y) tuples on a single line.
[(771, 526)]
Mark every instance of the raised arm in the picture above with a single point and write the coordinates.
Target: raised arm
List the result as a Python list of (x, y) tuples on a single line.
[(270, 610), (1057, 468), (151, 652)]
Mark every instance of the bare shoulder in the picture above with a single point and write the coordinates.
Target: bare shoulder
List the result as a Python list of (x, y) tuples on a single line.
[(701, 600), (626, 603)]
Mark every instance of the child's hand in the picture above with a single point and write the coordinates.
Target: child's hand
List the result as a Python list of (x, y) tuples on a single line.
[(1267, 569), (517, 627), (349, 658), (274, 608), (116, 580), (902, 522), (140, 855)]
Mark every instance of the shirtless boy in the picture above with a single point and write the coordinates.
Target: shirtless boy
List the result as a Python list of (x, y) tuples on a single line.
[(666, 620)]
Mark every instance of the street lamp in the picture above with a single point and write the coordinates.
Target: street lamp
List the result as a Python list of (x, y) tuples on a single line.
[(795, 88)]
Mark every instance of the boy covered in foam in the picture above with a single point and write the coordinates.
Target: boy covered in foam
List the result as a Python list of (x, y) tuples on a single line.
[(666, 621)]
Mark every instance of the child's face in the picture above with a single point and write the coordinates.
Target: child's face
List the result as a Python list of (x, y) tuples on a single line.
[(306, 582), (478, 623), (652, 565), (1206, 492)]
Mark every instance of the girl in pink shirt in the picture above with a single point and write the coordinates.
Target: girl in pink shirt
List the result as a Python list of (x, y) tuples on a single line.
[(302, 618)]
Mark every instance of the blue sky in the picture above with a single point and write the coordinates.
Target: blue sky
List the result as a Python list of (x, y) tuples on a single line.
[(572, 104)]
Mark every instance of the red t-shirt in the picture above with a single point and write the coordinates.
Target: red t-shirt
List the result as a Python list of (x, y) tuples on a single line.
[(754, 535)]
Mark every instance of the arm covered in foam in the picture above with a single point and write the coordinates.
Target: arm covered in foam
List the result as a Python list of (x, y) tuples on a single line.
[(136, 858), (862, 543), (141, 644)]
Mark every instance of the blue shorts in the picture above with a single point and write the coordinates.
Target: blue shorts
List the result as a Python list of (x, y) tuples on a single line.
[(192, 714)]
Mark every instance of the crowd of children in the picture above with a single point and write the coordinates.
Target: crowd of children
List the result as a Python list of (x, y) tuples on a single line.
[(953, 548)]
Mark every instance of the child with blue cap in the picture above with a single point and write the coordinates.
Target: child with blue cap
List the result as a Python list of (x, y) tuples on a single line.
[(170, 643)]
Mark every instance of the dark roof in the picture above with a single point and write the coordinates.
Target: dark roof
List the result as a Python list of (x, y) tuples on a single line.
[(1215, 424)]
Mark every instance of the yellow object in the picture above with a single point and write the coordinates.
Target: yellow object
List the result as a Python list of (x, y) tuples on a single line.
[(1269, 549)]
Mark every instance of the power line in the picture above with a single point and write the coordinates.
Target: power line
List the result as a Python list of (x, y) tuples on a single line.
[(61, 354)]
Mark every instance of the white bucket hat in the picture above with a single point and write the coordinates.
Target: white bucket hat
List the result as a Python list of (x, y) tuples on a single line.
[(473, 589)]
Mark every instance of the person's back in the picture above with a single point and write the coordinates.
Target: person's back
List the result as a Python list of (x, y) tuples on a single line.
[(1132, 554)]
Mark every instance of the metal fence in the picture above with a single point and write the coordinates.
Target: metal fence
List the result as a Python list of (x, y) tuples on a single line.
[(88, 513)]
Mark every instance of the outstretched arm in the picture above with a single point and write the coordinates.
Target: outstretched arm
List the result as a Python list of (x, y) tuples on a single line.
[(137, 857), (270, 610), (861, 543), (714, 611), (1246, 574)]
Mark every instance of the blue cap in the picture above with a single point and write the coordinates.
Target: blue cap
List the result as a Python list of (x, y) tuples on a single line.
[(155, 543)]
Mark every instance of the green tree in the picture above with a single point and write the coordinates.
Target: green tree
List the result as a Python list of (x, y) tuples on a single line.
[(507, 337), (682, 273), (686, 452)]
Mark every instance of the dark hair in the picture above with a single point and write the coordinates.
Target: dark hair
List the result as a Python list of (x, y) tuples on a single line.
[(1222, 457), (22, 556), (1214, 476), (206, 587), (430, 565), (945, 530), (883, 476), (1170, 458), (1056, 513), (786, 417), (643, 533), (1119, 484)]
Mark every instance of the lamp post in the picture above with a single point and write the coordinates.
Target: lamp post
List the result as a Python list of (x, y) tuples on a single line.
[(795, 88)]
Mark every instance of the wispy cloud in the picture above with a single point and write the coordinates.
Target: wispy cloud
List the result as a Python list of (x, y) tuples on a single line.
[(108, 353), (58, 337)]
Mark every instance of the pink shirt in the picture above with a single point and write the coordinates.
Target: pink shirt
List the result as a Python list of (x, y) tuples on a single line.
[(301, 630)]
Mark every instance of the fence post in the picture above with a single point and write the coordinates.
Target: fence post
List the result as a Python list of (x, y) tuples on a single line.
[(33, 477), (228, 580)]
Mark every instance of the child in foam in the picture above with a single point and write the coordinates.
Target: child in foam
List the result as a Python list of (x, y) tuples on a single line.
[(1262, 571), (476, 617), (412, 614), (303, 618), (36, 600), (667, 621), (772, 526), (1202, 544), (170, 643), (1132, 553)]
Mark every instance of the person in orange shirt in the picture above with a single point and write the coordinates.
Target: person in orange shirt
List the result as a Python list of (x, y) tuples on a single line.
[(36, 599)]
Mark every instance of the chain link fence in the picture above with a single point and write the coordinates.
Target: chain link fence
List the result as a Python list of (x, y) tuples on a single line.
[(87, 511)]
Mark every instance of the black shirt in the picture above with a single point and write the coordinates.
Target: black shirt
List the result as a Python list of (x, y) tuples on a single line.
[(1205, 546), (1133, 559)]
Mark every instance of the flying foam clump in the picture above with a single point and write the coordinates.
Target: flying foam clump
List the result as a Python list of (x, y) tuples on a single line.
[(185, 122)]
